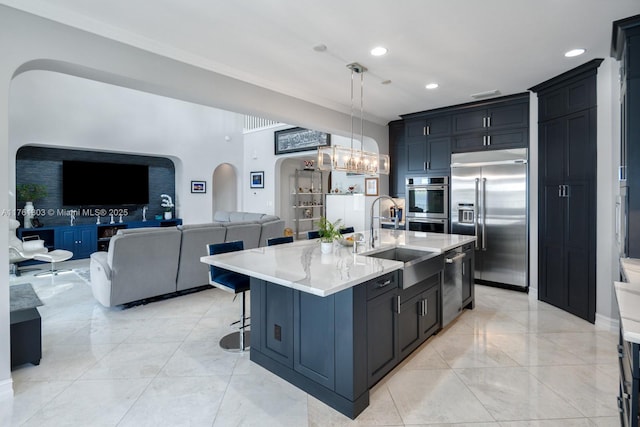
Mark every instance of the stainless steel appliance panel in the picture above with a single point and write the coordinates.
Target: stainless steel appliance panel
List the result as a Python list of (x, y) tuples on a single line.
[(452, 285), (503, 224), (428, 225), (489, 200), (427, 197)]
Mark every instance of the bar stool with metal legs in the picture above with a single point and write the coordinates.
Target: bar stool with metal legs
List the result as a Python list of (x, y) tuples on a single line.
[(235, 283)]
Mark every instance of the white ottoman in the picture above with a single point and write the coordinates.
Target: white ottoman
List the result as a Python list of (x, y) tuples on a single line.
[(52, 257)]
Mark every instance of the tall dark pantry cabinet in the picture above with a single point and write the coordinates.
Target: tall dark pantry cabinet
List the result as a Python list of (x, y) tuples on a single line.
[(625, 47), (567, 190)]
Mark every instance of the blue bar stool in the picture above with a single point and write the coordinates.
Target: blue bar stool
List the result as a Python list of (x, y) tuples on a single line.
[(279, 240), (315, 234), (235, 283)]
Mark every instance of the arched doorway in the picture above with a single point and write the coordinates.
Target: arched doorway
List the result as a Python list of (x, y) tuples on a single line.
[(224, 196)]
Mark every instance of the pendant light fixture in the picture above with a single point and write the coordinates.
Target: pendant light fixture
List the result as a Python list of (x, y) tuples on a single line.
[(348, 159)]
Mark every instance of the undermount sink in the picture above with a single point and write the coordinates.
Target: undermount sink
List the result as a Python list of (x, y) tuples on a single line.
[(418, 265)]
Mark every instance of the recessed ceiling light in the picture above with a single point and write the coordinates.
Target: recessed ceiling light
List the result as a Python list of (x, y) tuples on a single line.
[(432, 85), (378, 51), (320, 48), (574, 52), (386, 82)]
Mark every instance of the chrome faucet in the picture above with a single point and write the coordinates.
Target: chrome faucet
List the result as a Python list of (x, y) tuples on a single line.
[(395, 219)]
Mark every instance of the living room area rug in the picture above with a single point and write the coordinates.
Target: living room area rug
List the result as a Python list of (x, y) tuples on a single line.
[(84, 274), (22, 297)]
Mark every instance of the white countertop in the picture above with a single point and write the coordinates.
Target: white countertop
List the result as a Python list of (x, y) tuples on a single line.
[(628, 297), (301, 265)]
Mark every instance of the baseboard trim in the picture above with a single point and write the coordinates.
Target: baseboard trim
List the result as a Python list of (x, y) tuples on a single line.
[(607, 323), (6, 389)]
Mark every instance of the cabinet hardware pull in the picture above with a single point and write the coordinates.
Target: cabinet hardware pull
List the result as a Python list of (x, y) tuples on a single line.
[(566, 191), (424, 130), (462, 270), (488, 140), (625, 395), (428, 165), (484, 122), (621, 173), (424, 166), (475, 214), (559, 190), (424, 302), (398, 304), (484, 214), (383, 284), (489, 121), (455, 258), (484, 140), (428, 130)]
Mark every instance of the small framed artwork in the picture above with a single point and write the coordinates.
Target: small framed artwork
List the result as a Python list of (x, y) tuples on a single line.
[(198, 186), (371, 186), (256, 179)]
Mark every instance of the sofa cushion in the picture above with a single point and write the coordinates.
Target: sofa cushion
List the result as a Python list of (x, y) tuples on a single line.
[(249, 233), (195, 238)]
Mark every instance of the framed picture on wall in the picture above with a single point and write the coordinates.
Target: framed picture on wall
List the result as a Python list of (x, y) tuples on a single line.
[(299, 139), (371, 186), (198, 186), (256, 179)]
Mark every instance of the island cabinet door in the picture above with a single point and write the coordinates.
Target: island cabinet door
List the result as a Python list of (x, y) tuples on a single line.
[(409, 323), (382, 334), (314, 337), (272, 326)]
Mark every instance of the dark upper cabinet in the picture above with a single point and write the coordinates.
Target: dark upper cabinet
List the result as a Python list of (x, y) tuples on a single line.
[(492, 127), (427, 145), (512, 115), (398, 154)]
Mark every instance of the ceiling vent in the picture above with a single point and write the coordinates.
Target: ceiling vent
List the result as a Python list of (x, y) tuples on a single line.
[(486, 94)]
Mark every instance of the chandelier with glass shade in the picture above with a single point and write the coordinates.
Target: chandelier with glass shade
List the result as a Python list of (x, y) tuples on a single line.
[(348, 159)]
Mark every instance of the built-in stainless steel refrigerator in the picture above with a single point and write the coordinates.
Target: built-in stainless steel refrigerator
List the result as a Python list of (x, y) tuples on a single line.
[(489, 200)]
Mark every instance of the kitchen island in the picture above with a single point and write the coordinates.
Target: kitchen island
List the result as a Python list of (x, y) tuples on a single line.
[(335, 324)]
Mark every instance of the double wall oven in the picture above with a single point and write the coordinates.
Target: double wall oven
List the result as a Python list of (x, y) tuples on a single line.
[(427, 205)]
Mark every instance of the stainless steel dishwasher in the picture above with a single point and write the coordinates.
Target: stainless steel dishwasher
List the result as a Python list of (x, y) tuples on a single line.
[(452, 285)]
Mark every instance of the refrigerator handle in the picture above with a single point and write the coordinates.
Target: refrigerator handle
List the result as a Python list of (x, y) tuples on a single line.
[(475, 214), (484, 214)]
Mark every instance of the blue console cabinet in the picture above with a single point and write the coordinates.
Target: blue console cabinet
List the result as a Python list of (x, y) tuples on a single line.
[(85, 239), (82, 240)]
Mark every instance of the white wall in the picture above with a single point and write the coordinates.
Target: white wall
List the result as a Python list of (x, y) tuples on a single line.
[(54, 109)]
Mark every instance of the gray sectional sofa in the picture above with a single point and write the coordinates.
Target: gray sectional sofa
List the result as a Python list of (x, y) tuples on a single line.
[(148, 262)]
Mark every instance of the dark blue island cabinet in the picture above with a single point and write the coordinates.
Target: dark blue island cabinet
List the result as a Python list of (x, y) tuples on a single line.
[(337, 347), (318, 344)]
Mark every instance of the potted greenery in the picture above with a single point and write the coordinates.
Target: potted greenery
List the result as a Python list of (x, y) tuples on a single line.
[(328, 231), (29, 193)]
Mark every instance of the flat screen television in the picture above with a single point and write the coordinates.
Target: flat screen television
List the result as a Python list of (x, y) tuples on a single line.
[(104, 184)]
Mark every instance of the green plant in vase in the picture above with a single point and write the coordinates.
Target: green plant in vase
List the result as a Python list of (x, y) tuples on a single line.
[(329, 232), (29, 193)]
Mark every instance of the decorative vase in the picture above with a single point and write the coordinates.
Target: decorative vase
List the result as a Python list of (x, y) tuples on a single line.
[(326, 247), (29, 213), (168, 215)]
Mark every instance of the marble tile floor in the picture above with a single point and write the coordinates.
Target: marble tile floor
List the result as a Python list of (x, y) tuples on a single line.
[(511, 362)]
